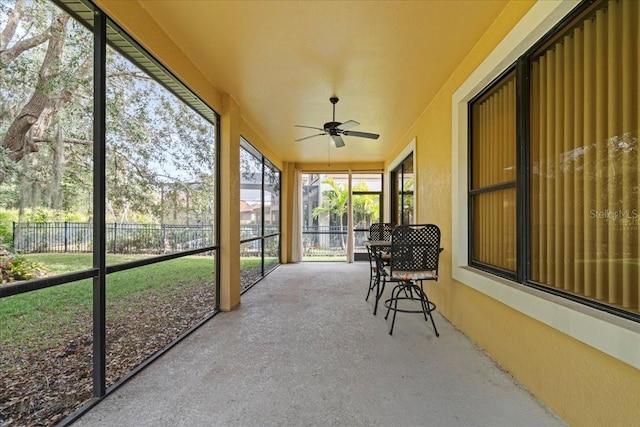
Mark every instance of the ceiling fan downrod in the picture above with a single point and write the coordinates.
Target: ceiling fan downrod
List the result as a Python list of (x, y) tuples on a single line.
[(331, 125)]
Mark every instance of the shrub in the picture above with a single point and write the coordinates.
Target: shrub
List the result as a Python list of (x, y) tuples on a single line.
[(7, 218), (15, 267), (41, 215), (131, 241), (6, 234)]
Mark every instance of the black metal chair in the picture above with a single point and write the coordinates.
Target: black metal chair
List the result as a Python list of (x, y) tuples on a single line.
[(415, 254), (378, 231)]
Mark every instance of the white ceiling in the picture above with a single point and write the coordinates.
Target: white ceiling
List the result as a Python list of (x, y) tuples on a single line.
[(282, 60)]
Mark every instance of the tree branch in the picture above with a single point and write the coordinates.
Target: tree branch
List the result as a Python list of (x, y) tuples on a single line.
[(140, 171), (8, 55), (66, 140), (12, 24)]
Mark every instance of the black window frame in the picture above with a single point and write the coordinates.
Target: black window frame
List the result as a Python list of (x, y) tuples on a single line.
[(395, 191), (264, 163), (471, 192), (522, 184)]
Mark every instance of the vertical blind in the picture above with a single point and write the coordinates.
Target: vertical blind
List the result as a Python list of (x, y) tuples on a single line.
[(493, 158), (584, 119)]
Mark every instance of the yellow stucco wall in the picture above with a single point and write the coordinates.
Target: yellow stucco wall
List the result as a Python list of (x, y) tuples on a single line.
[(581, 384)]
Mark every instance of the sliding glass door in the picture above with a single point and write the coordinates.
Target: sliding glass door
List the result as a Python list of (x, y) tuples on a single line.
[(366, 197), (326, 216)]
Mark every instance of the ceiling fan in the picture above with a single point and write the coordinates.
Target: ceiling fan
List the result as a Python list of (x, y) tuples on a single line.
[(335, 129)]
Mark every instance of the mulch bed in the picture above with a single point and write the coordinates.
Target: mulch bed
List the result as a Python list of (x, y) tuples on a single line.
[(40, 388)]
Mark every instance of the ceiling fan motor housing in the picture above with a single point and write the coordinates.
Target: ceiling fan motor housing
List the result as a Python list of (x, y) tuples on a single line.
[(331, 126)]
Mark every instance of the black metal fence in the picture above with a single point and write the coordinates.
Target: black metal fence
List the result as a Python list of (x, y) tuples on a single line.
[(48, 237), (330, 241)]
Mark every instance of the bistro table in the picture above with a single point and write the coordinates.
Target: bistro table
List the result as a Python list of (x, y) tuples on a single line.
[(379, 250)]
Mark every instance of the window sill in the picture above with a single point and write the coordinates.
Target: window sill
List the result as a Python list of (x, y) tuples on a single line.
[(613, 335)]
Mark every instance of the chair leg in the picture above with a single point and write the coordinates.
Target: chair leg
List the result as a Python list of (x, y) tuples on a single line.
[(423, 302), (401, 287), (431, 317), (395, 311), (426, 307), (373, 272), (371, 279), (410, 292), (395, 292), (372, 276), (379, 291)]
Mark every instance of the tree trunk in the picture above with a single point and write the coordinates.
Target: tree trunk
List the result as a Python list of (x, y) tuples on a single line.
[(22, 198), (54, 196), (16, 141)]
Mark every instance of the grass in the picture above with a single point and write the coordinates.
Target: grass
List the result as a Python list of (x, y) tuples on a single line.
[(67, 263), (256, 262), (37, 319)]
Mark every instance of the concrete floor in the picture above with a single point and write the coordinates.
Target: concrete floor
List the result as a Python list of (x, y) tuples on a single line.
[(304, 349)]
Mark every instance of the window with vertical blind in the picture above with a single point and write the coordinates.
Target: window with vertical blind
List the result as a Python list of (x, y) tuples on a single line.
[(573, 165), (493, 176)]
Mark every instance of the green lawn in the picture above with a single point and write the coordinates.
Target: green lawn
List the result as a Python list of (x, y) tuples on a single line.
[(38, 318)]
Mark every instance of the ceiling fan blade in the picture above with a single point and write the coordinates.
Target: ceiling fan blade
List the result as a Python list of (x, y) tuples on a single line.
[(337, 139), (361, 134), (347, 125), (307, 127), (307, 137)]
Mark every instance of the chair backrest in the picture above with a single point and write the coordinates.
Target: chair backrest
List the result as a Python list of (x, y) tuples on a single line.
[(380, 231), (415, 247)]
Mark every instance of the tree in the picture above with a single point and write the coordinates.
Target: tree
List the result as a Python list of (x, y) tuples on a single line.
[(366, 207), (45, 83), (334, 202), (155, 143), (154, 140)]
